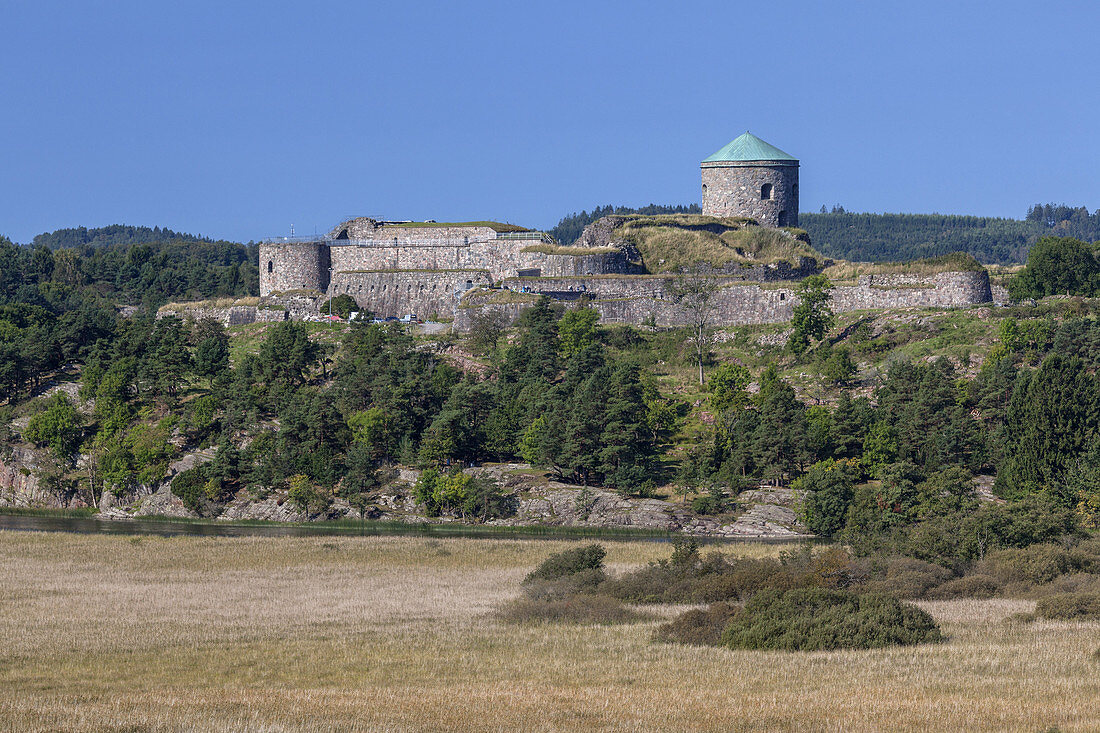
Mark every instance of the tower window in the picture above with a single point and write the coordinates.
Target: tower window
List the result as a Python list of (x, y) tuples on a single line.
[(782, 218), (766, 191), (704, 190), (794, 189), (270, 266)]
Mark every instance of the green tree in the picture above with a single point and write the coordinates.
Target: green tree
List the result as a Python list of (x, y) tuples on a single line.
[(60, 426), (1051, 420), (812, 317), (577, 330), (371, 429), (212, 356), (1057, 266), (830, 487), (728, 388)]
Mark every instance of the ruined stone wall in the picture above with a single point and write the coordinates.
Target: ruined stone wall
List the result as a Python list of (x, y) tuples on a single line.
[(237, 315), (397, 293), (286, 266), (638, 300), (500, 258), (733, 189)]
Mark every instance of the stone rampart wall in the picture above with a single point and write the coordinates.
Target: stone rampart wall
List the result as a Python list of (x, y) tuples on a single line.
[(399, 293), (499, 257), (236, 315), (638, 300)]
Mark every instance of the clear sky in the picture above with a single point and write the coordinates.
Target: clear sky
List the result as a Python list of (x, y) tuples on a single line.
[(236, 120)]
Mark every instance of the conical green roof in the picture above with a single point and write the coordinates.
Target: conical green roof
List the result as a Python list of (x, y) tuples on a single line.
[(748, 147)]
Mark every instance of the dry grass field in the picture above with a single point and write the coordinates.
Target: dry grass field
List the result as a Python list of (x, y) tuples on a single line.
[(108, 633)]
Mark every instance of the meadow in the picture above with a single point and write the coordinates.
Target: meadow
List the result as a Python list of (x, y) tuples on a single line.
[(112, 633)]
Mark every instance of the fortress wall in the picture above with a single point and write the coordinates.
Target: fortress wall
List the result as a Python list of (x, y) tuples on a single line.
[(638, 300), (403, 292), (500, 258), (290, 266), (942, 290)]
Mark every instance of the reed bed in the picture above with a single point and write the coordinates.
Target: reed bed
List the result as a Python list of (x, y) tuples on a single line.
[(396, 633)]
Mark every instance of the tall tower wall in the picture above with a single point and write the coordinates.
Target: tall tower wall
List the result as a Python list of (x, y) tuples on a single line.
[(766, 191), (287, 266)]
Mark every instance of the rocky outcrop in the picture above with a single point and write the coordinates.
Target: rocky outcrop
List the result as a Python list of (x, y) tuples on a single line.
[(19, 483)]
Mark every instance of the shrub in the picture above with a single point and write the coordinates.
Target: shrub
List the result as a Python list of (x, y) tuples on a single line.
[(1037, 564), (808, 619), (1069, 606), (699, 627), (304, 495), (569, 562), (188, 486), (342, 305), (716, 578), (552, 589), (577, 609), (907, 577), (968, 586)]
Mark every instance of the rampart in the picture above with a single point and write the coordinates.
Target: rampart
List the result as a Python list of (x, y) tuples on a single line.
[(648, 300)]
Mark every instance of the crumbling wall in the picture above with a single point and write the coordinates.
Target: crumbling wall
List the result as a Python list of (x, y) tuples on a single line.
[(638, 300), (419, 292)]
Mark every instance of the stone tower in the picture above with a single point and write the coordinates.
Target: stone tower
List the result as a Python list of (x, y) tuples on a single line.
[(289, 266), (751, 178)]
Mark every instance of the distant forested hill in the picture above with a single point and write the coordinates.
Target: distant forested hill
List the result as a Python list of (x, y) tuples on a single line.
[(570, 227), (130, 265), (114, 234), (891, 237)]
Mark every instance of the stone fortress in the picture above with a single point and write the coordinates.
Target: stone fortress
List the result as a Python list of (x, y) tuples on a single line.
[(455, 271)]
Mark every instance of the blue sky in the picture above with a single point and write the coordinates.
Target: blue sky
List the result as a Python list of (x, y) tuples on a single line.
[(236, 120)]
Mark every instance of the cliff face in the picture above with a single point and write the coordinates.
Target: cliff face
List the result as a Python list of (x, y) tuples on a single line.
[(19, 482)]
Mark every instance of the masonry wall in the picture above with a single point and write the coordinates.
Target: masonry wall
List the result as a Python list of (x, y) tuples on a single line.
[(287, 266), (638, 300), (397, 293), (500, 258), (733, 189)]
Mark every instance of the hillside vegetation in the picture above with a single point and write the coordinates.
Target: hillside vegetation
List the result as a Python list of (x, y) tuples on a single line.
[(670, 242)]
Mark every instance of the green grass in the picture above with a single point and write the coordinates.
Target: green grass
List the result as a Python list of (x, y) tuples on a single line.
[(22, 511), (670, 242)]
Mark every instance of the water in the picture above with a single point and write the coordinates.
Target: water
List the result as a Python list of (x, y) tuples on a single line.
[(166, 528)]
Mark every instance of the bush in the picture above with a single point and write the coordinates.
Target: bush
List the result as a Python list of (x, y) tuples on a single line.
[(696, 626), (716, 578), (1037, 564), (1069, 606), (342, 305), (968, 586), (576, 609), (907, 577), (304, 495), (569, 562), (807, 619), (188, 486)]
